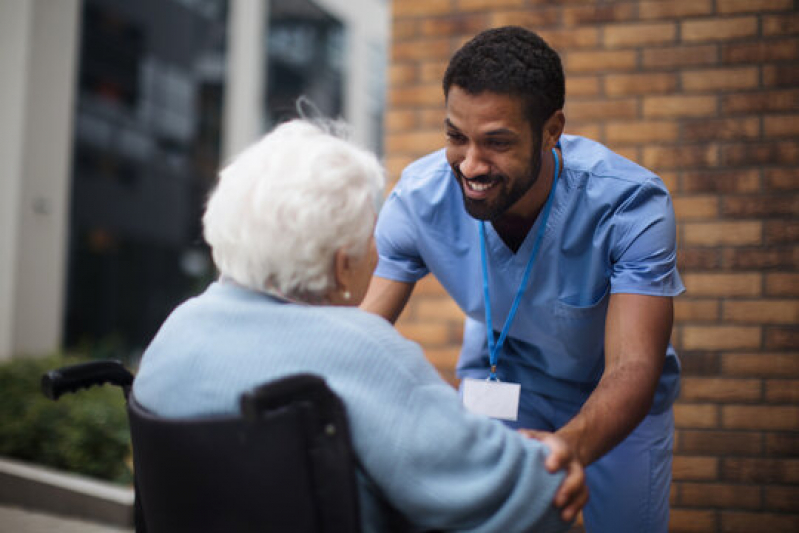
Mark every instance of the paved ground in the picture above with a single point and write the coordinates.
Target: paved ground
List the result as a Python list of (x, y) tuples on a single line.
[(17, 520)]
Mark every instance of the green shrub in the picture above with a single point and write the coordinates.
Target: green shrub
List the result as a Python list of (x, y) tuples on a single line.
[(85, 432)]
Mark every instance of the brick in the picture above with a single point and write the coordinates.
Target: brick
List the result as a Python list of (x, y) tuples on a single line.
[(395, 164), (696, 416), (639, 34), (571, 38), (720, 495), (761, 258), (782, 444), (692, 520), (646, 83), (721, 129), (781, 125), (723, 390), (696, 207), (633, 153), (680, 56), (760, 51), (704, 442), (596, 14), (601, 109), (694, 468), (416, 8), (760, 102), (670, 180), (402, 73), (416, 142), (709, 80), (760, 470), (742, 522), (782, 391), (452, 24), (695, 310), (600, 61), (439, 309), (771, 206), (429, 94), (681, 156), (533, 19), (433, 72), (418, 50), (782, 284), (721, 337), (783, 24), (725, 285), (781, 231), (782, 338), (400, 120), (643, 131), (675, 9), (432, 118), (781, 499), (698, 259), (727, 7), (476, 5), (765, 153), (721, 233), (403, 29), (780, 76), (763, 364), (782, 179), (427, 334), (582, 86), (589, 130), (761, 417), (698, 363), (680, 106), (719, 29)]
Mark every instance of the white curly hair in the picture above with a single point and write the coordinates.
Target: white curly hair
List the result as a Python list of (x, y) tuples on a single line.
[(287, 204)]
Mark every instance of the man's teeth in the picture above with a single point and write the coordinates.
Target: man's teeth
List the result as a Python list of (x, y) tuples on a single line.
[(477, 186)]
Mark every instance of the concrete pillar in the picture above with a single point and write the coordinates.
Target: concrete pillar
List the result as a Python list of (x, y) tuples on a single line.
[(246, 75), (38, 51)]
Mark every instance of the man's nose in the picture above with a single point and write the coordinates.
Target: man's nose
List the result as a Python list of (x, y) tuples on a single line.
[(473, 164)]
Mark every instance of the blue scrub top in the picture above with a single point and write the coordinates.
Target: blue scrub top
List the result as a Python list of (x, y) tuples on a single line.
[(611, 230)]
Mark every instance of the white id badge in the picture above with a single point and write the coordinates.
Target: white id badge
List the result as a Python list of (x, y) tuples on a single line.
[(491, 398)]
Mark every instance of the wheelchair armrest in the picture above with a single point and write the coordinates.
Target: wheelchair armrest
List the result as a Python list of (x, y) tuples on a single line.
[(84, 375)]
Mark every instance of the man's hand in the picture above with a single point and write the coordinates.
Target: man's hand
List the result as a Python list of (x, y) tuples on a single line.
[(573, 492)]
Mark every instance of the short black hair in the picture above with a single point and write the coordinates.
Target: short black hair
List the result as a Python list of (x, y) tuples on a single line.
[(514, 61)]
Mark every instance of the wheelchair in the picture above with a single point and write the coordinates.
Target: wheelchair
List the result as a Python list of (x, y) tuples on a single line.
[(284, 464)]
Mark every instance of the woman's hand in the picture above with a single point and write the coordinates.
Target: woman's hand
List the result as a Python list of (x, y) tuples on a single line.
[(573, 492)]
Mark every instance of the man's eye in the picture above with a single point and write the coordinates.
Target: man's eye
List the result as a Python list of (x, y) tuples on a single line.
[(498, 143), (455, 137)]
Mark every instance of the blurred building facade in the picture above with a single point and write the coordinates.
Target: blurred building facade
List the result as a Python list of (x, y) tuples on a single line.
[(116, 118), (705, 93)]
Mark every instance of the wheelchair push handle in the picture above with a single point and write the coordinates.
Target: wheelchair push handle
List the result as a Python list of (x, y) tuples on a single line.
[(84, 375)]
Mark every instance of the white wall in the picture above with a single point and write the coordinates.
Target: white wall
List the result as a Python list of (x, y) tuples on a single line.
[(38, 48)]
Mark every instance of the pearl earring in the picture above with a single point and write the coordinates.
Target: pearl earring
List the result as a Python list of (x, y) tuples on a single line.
[(346, 295)]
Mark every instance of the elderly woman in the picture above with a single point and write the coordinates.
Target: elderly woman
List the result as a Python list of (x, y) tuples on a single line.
[(290, 226)]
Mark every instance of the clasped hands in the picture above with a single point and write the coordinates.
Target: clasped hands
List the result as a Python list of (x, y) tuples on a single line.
[(572, 494)]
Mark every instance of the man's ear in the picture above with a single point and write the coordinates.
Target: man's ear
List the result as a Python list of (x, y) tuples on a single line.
[(553, 129)]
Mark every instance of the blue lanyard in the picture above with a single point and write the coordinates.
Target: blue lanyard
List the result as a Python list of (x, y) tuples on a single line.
[(495, 347)]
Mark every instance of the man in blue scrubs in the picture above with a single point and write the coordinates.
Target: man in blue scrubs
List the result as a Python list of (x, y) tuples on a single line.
[(568, 250)]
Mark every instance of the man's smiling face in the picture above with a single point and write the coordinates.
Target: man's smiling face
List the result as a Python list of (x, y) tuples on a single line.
[(492, 151)]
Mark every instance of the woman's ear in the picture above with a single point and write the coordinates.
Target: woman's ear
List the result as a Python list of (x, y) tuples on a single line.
[(342, 272), (553, 129)]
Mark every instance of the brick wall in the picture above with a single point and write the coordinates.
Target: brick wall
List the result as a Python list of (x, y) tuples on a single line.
[(705, 93)]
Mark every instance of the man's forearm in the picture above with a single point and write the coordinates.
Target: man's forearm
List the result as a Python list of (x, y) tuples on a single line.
[(621, 400)]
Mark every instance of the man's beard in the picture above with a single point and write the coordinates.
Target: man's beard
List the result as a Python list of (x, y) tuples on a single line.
[(493, 208)]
